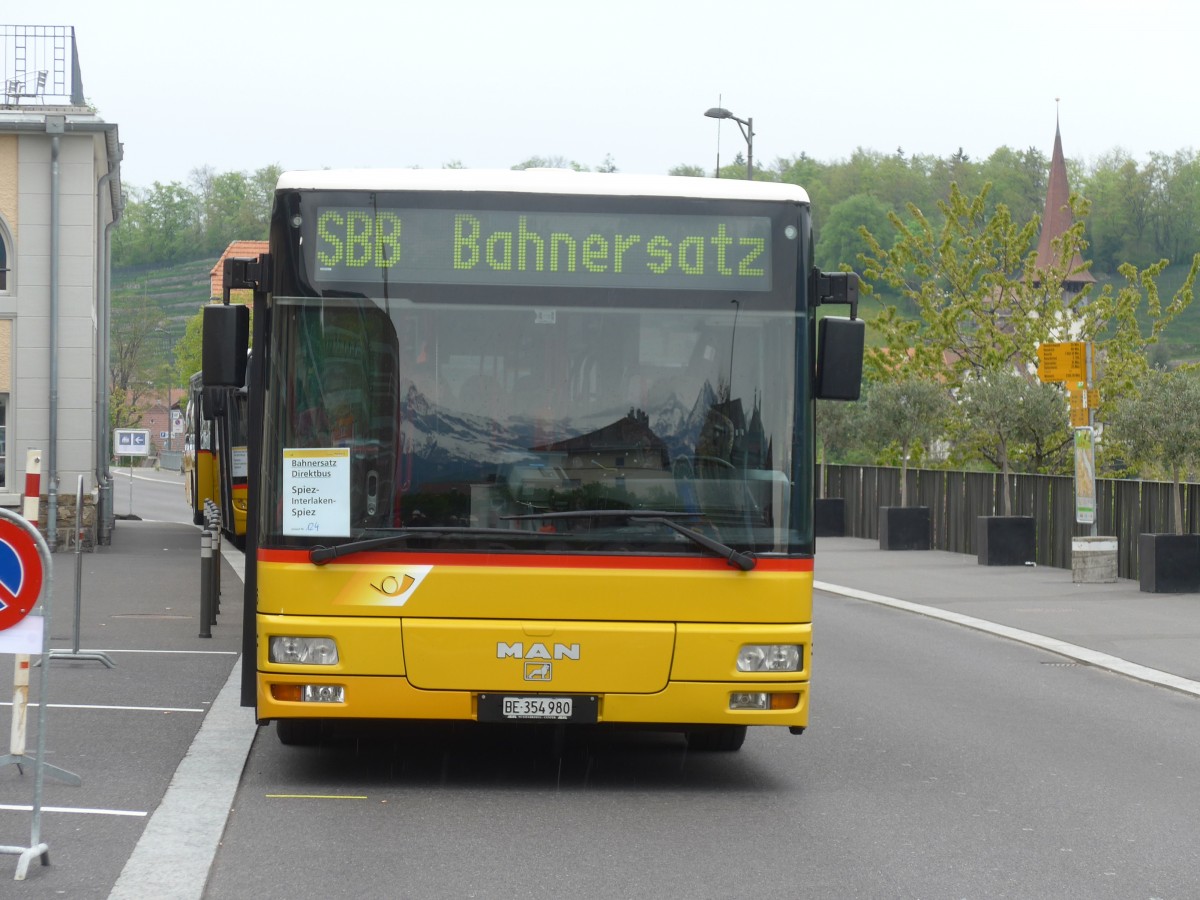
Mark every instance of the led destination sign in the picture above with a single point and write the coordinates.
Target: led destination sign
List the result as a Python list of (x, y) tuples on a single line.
[(482, 247)]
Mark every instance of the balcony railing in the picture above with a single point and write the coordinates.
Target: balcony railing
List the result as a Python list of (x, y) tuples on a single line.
[(40, 66)]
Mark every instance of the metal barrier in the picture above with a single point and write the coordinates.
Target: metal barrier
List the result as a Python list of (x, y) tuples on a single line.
[(210, 568), (75, 652)]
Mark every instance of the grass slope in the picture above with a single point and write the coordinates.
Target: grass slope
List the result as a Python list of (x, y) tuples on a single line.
[(179, 290)]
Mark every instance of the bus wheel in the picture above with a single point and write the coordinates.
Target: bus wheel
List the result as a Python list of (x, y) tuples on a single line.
[(718, 738), (298, 732)]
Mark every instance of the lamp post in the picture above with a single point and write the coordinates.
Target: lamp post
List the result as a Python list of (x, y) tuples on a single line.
[(747, 127)]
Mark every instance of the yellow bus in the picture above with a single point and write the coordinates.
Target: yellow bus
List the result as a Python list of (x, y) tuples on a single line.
[(533, 447), (215, 454)]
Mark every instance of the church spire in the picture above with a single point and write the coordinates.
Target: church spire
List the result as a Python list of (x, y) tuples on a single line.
[(1057, 218)]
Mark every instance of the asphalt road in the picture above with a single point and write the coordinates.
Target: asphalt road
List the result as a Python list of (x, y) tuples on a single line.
[(154, 495), (941, 763)]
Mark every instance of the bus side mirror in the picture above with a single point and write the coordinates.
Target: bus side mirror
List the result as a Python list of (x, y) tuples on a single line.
[(840, 344), (226, 337)]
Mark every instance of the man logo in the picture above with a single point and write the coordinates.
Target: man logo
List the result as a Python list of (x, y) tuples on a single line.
[(536, 650), (537, 671)]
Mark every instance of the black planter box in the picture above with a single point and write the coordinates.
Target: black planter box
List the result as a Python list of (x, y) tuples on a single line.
[(905, 528), (829, 517), (1005, 540), (1169, 563)]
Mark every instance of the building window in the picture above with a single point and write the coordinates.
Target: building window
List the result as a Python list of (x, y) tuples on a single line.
[(3, 262)]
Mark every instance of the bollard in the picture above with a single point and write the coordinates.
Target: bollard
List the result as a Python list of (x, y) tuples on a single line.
[(205, 584), (212, 519), (214, 605)]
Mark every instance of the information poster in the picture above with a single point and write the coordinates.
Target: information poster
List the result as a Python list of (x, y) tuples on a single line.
[(316, 492), (239, 461), (1085, 476)]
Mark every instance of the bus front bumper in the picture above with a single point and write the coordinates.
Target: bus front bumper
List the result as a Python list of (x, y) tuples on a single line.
[(339, 696)]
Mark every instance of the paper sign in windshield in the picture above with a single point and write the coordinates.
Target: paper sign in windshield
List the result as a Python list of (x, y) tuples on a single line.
[(316, 492)]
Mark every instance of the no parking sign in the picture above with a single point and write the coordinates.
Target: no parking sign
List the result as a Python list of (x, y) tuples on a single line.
[(21, 575)]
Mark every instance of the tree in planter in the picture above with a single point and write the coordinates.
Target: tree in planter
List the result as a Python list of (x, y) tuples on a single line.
[(1159, 428), (905, 413), (1008, 418)]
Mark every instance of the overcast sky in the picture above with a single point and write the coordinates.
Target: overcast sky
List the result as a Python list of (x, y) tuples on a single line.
[(490, 83)]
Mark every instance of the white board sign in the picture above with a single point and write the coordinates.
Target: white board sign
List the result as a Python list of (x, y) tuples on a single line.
[(23, 637), (131, 442), (316, 491)]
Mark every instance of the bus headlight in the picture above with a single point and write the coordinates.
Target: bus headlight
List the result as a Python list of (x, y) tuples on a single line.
[(775, 701), (770, 658), (308, 651)]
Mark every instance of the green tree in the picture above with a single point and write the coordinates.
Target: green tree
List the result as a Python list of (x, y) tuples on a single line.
[(1018, 179), (984, 304), (978, 307), (839, 427), (1119, 227), (136, 361), (904, 414), (550, 162), (1158, 427), (841, 238), (233, 205), (189, 350), (162, 225), (1007, 418), (1174, 183), (1131, 318)]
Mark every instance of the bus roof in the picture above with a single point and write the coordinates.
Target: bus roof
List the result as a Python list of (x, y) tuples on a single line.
[(540, 181)]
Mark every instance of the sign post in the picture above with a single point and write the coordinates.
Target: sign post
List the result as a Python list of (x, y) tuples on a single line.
[(1085, 476), (1072, 363), (25, 580), (131, 442)]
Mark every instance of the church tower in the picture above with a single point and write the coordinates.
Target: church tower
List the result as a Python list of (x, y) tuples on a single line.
[(1057, 219)]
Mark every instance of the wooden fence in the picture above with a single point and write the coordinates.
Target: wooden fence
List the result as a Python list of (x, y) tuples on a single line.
[(956, 499)]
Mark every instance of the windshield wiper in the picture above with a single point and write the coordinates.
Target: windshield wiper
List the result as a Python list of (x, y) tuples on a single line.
[(320, 555), (735, 558)]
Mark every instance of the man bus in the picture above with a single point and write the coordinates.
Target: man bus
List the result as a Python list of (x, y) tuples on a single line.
[(533, 447), (215, 454)]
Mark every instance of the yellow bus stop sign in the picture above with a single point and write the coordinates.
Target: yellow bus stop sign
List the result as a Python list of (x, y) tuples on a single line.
[(1063, 361)]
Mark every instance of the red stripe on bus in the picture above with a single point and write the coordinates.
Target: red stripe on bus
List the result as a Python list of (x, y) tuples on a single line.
[(544, 561)]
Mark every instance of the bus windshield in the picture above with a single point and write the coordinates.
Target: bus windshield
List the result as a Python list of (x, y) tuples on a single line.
[(493, 416)]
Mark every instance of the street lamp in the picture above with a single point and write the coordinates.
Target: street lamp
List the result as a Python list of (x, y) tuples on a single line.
[(747, 127)]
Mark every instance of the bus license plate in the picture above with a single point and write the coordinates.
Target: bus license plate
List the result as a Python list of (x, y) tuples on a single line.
[(536, 707)]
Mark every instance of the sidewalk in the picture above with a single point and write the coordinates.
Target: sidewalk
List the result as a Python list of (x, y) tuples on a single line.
[(135, 732), (1116, 625)]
